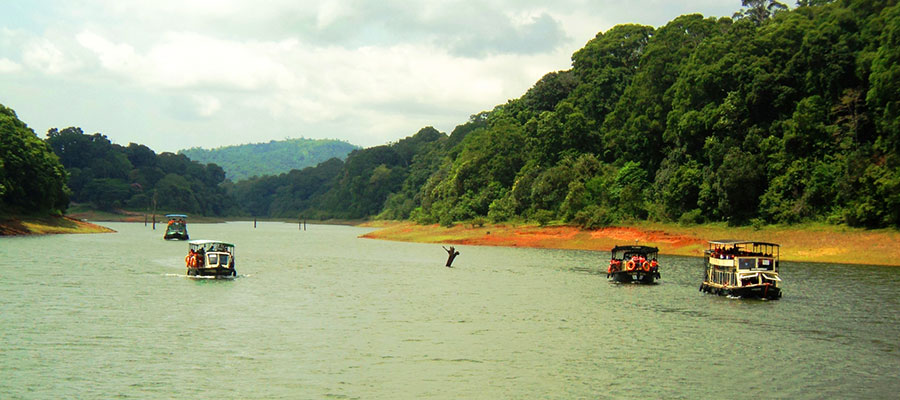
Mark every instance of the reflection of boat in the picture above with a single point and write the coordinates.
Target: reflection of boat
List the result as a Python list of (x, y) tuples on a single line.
[(633, 264), (177, 227), (742, 268), (210, 258)]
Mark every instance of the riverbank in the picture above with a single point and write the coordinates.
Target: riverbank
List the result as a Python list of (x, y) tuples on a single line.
[(802, 243), (83, 213), (44, 225)]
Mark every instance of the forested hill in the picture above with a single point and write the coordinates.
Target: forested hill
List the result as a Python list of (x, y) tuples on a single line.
[(775, 115), (272, 158)]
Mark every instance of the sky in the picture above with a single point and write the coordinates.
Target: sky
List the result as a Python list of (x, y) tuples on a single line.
[(175, 74)]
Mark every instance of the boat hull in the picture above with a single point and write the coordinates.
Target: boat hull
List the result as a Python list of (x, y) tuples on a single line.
[(215, 271), (636, 276), (769, 292), (176, 236)]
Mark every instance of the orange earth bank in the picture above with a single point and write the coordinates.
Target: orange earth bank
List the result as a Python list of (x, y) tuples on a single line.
[(802, 243)]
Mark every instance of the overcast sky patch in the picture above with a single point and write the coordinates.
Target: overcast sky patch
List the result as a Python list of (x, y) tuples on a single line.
[(174, 74)]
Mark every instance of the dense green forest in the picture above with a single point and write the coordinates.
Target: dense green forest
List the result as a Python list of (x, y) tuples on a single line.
[(774, 115), (272, 158), (32, 180), (109, 176)]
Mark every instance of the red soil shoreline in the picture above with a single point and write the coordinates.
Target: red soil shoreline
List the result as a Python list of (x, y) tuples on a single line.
[(812, 243)]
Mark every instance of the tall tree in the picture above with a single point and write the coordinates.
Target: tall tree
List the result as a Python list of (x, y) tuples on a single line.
[(32, 179), (759, 11)]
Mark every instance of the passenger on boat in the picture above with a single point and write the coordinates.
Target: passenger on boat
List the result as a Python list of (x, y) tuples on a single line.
[(191, 259), (614, 265), (201, 255)]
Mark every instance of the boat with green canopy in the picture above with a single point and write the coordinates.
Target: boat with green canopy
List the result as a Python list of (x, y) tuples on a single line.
[(176, 229)]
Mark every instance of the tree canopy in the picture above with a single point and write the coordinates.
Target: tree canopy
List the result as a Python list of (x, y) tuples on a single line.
[(32, 179), (776, 115), (110, 176)]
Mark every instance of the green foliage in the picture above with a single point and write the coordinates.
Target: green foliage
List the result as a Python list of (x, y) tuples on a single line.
[(32, 179), (781, 116), (272, 158), (543, 217), (700, 120), (776, 116), (109, 176)]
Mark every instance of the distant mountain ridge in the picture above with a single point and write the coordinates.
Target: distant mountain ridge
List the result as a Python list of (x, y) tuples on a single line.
[(273, 158)]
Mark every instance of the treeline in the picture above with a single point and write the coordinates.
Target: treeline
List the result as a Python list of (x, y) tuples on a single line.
[(109, 176), (358, 188), (275, 157), (32, 180), (772, 116)]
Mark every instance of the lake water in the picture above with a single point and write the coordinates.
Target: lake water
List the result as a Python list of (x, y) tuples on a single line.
[(322, 313)]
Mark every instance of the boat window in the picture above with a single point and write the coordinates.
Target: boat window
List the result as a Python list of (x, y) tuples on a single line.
[(747, 263), (765, 264), (213, 259), (224, 258)]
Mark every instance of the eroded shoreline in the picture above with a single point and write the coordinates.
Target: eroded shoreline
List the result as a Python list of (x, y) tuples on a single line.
[(802, 243)]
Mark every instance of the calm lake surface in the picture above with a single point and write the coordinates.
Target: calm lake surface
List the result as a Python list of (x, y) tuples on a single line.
[(322, 313)]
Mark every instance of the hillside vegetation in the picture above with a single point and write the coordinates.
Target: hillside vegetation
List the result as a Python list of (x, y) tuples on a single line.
[(774, 115), (771, 116), (109, 176), (272, 158)]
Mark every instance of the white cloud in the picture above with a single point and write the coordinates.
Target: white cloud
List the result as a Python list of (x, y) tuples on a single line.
[(330, 11), (8, 66), (206, 105), (239, 71), (114, 57), (44, 55)]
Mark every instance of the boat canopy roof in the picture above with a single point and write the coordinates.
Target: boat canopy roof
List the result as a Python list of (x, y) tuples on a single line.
[(635, 249), (203, 242), (173, 216), (732, 242)]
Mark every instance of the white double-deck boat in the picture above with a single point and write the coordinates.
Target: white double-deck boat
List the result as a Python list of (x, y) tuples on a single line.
[(210, 258), (742, 269)]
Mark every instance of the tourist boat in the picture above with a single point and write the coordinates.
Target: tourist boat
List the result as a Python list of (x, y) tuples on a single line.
[(210, 258), (633, 264), (742, 269), (177, 227)]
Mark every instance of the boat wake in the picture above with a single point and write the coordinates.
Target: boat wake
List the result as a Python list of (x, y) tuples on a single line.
[(229, 277)]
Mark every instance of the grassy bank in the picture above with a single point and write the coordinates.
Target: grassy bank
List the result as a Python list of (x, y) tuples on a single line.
[(48, 224), (804, 243)]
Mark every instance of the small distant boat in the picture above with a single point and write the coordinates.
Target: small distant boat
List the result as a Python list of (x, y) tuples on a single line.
[(633, 264), (177, 227), (210, 258), (742, 269)]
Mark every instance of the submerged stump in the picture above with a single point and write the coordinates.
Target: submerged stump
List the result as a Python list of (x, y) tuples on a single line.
[(452, 255)]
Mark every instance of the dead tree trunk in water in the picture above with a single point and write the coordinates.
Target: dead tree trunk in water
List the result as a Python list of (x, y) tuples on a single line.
[(453, 253)]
